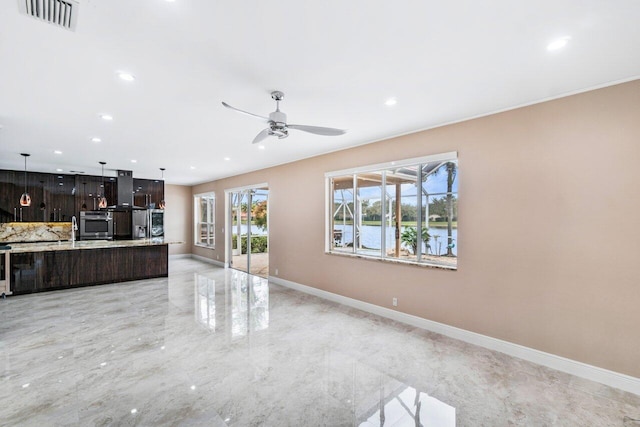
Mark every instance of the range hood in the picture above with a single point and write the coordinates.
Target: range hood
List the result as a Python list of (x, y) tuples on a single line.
[(125, 189)]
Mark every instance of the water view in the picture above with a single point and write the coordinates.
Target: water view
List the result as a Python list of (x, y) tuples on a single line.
[(370, 237)]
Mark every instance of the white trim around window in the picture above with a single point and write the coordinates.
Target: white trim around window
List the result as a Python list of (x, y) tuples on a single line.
[(402, 211), (204, 220)]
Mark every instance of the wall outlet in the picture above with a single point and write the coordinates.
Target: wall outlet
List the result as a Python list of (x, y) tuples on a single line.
[(276, 271), (395, 301), (217, 256)]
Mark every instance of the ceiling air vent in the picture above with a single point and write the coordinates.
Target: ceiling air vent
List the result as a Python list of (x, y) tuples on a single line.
[(61, 13)]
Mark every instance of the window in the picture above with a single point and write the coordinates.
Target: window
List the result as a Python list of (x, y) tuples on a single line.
[(205, 219), (402, 211)]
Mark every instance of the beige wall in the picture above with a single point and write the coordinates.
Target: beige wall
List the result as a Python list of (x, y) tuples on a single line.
[(547, 241), (178, 218)]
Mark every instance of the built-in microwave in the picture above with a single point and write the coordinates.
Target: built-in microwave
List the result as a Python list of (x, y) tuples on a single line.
[(96, 225)]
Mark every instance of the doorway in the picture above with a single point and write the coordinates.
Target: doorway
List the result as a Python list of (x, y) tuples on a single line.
[(248, 225)]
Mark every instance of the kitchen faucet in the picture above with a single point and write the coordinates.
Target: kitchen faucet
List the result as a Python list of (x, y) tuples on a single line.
[(74, 228)]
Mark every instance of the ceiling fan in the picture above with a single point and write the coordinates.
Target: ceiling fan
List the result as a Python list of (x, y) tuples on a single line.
[(278, 122)]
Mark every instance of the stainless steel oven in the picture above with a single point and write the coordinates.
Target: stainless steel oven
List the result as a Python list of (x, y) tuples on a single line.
[(96, 225)]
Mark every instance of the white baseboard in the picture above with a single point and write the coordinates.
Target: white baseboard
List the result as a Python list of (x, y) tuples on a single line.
[(208, 260), (573, 367), (179, 256)]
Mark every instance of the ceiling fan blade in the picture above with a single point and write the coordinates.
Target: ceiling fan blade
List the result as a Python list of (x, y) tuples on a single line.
[(266, 119), (318, 130), (262, 135)]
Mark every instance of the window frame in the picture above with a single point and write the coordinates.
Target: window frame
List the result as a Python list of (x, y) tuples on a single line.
[(381, 168), (210, 223)]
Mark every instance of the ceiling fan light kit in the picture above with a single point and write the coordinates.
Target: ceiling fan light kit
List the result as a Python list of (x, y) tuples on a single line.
[(277, 122)]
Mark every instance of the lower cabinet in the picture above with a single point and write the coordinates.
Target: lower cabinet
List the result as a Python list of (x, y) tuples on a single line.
[(42, 271)]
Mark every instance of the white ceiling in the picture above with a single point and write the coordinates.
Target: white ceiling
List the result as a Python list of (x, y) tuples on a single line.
[(337, 62)]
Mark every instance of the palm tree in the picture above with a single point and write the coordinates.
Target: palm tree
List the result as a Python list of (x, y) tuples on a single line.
[(452, 170)]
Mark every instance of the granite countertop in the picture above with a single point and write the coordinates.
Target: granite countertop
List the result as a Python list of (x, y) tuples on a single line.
[(85, 244)]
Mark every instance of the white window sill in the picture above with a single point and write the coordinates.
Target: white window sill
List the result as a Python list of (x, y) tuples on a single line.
[(200, 245), (394, 260)]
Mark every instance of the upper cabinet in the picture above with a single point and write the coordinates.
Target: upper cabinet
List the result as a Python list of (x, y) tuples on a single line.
[(58, 197), (52, 197), (61, 190), (8, 182), (147, 193), (88, 188)]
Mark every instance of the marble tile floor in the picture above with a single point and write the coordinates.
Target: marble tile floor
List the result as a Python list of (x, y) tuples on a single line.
[(214, 347)]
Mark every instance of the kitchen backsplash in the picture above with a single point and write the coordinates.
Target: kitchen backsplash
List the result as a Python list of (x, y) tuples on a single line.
[(14, 232)]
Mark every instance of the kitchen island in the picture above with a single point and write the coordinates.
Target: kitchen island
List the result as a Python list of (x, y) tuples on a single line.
[(45, 266)]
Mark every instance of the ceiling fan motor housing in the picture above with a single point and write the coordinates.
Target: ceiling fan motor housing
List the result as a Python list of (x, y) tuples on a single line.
[(278, 117), (278, 124)]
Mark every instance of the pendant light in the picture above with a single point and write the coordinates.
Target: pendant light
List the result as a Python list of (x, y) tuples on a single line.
[(25, 199), (102, 200), (162, 203), (84, 192)]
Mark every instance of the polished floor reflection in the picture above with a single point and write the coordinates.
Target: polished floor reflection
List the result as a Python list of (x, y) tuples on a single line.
[(216, 347)]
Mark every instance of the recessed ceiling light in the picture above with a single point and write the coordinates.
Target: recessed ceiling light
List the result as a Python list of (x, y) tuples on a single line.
[(58, 170), (134, 411), (227, 158), (57, 152), (96, 139), (558, 43), (261, 147), (192, 167), (134, 161), (391, 101), (106, 117), (127, 77)]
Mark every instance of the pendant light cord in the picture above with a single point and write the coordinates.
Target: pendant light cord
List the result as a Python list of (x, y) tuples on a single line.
[(102, 202), (25, 174)]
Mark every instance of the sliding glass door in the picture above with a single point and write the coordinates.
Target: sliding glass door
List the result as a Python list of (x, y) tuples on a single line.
[(249, 231)]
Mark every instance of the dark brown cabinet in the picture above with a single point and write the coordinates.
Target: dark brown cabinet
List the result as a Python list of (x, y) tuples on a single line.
[(147, 193), (62, 190), (52, 197), (121, 224), (57, 197), (87, 190), (43, 271), (8, 201)]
